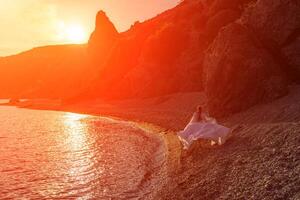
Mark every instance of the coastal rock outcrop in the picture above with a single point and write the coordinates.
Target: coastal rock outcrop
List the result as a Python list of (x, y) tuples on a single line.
[(239, 72), (252, 60), (277, 24)]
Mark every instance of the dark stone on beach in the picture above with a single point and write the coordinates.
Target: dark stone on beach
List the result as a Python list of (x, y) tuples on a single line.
[(239, 72)]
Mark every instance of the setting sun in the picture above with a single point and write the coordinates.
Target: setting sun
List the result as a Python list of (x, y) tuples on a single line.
[(74, 33)]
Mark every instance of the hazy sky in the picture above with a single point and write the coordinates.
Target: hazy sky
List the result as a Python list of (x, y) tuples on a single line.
[(29, 23)]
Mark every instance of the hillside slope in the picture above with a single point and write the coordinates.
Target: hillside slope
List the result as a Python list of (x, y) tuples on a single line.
[(44, 72)]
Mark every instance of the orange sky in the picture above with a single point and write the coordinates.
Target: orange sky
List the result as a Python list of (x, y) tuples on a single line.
[(29, 23)]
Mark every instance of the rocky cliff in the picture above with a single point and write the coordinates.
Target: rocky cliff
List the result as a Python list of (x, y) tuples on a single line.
[(250, 60), (240, 53)]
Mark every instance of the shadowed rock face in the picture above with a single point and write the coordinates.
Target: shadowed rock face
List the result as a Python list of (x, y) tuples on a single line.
[(239, 72), (155, 72), (219, 5), (277, 24), (157, 57), (219, 20), (250, 61), (273, 20), (292, 55)]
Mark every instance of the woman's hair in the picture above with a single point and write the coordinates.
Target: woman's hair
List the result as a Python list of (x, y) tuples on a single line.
[(199, 109)]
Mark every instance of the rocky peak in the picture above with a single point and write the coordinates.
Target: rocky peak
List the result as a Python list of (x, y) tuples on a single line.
[(103, 38), (103, 24)]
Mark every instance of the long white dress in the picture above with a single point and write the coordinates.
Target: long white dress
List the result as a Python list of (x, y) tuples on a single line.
[(207, 129)]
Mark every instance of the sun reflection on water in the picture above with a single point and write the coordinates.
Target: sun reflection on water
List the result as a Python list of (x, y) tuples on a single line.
[(78, 143), (76, 130), (58, 155)]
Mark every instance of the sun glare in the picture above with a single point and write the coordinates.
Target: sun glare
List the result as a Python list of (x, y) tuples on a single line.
[(73, 33), (76, 34)]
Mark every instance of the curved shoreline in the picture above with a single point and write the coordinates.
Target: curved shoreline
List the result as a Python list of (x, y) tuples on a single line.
[(156, 163), (260, 161)]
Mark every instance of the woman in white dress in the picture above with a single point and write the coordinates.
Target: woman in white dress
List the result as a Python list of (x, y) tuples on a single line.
[(202, 126)]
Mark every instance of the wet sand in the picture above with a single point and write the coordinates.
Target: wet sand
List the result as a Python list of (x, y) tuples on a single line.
[(260, 161)]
